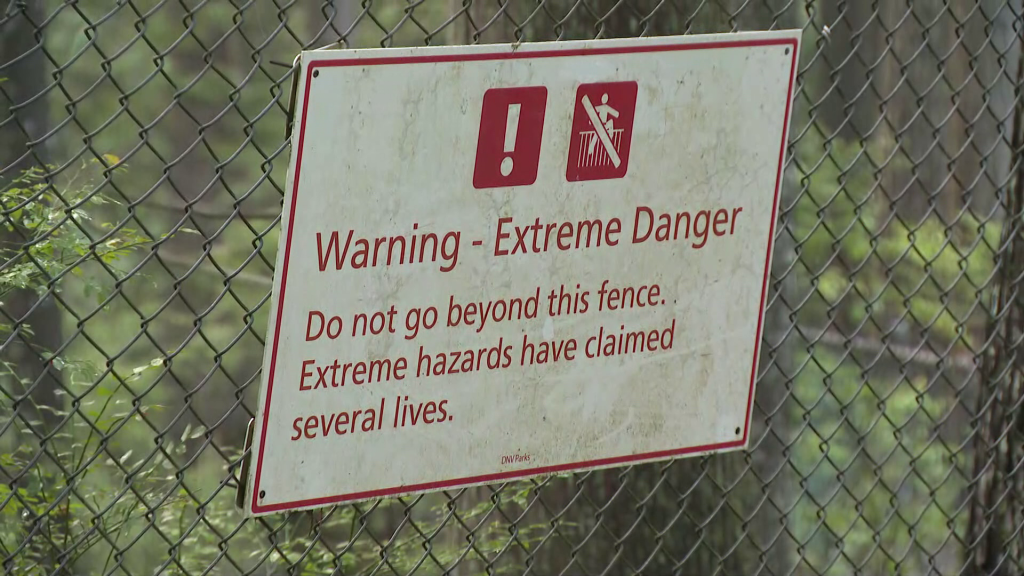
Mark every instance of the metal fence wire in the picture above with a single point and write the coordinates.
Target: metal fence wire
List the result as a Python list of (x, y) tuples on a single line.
[(142, 161)]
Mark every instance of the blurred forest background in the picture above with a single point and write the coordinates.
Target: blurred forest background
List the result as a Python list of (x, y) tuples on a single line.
[(142, 162)]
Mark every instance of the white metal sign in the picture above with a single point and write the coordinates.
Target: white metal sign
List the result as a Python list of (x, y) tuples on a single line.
[(505, 261)]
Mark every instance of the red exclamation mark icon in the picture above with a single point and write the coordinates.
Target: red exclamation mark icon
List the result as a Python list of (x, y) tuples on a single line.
[(511, 127)]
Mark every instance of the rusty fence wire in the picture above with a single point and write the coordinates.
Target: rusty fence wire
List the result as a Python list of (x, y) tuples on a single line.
[(142, 161)]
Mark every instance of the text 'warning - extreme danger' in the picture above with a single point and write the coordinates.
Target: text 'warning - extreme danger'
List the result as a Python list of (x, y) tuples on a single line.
[(498, 262), (347, 249)]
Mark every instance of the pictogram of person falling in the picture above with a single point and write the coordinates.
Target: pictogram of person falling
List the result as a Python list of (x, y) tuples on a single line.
[(602, 130), (606, 114)]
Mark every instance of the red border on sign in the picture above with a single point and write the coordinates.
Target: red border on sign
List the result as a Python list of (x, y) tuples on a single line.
[(512, 474)]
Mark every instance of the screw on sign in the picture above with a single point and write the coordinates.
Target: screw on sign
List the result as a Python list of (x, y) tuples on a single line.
[(511, 127), (602, 129)]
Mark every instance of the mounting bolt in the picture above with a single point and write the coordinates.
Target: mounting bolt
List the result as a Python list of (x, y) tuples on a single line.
[(263, 494), (737, 433), (316, 73)]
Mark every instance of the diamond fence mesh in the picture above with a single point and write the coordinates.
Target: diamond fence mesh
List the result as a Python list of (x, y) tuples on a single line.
[(142, 160)]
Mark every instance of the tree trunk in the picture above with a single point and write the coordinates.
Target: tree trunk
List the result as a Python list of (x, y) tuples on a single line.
[(35, 319), (997, 481)]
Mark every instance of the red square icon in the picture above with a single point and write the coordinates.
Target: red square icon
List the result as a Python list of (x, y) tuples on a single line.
[(511, 127), (602, 128)]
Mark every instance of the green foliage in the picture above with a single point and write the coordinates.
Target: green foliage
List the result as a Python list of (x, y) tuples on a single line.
[(338, 538), (53, 237), (880, 494), (92, 497), (880, 485), (76, 498), (86, 491), (869, 263), (57, 232)]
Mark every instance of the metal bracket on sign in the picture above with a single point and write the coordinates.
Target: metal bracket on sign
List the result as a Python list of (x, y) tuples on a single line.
[(243, 475), (295, 86), (291, 99)]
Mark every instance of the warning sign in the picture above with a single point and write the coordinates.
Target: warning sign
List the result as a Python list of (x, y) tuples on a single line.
[(498, 262)]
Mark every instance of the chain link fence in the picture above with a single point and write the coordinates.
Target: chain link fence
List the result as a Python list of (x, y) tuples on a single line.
[(142, 161)]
